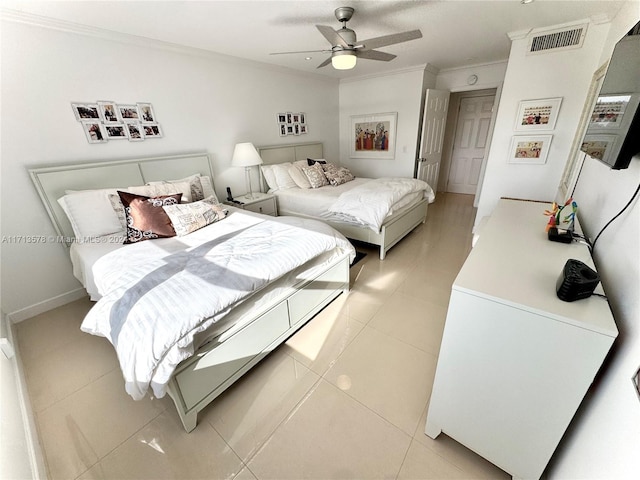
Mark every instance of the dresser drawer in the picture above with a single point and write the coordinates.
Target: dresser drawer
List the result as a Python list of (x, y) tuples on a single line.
[(266, 206)]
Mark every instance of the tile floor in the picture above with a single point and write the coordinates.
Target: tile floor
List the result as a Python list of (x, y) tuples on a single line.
[(346, 397)]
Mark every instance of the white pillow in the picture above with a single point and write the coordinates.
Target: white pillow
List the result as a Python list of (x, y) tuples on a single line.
[(269, 176), (158, 189), (207, 187), (189, 217), (277, 176), (90, 213), (195, 185), (298, 176)]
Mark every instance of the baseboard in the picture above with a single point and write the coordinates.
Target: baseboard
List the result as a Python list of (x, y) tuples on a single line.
[(46, 305)]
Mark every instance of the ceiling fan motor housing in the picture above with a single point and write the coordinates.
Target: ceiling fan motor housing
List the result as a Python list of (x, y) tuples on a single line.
[(344, 14)]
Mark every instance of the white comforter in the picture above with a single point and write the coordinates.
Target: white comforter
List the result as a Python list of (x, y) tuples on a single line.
[(370, 203), (152, 306)]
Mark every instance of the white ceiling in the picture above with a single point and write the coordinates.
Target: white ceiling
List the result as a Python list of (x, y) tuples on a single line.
[(455, 33)]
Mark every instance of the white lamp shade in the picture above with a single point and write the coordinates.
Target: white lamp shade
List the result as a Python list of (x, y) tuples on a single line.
[(245, 155), (345, 60)]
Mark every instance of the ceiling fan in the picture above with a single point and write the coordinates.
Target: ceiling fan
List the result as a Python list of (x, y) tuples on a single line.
[(345, 49)]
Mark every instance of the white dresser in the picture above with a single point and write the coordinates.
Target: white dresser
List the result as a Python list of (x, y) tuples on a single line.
[(516, 361)]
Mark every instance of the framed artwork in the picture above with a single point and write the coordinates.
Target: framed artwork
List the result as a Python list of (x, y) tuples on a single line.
[(94, 132), (598, 146), (282, 129), (145, 110), (129, 113), (529, 149), (609, 111), (117, 132), (86, 112), (282, 118), (109, 112), (151, 130), (373, 136), (303, 118), (135, 132), (538, 114), (303, 128)]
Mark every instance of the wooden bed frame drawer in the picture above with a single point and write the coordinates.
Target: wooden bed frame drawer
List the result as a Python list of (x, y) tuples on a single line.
[(225, 359), (303, 302)]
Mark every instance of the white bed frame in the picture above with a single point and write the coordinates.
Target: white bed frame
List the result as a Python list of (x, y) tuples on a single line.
[(394, 229), (214, 367)]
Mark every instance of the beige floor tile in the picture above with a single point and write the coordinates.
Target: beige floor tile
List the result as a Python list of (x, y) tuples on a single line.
[(319, 344), (392, 378), (423, 463), (330, 435), (250, 411), (411, 321), (164, 450), (83, 427)]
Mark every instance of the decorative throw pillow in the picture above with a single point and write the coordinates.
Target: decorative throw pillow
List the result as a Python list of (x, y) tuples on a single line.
[(195, 184), (146, 218), (312, 161), (316, 176), (207, 187), (189, 217), (118, 208), (162, 189), (337, 175)]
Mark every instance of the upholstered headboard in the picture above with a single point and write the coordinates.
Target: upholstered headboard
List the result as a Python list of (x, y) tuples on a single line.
[(52, 182), (288, 153)]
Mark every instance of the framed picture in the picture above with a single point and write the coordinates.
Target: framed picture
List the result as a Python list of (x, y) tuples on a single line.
[(109, 112), (373, 136), (145, 110), (609, 111), (303, 128), (289, 117), (529, 149), (538, 114), (135, 132), (303, 118), (129, 113), (117, 132), (599, 146), (282, 129), (281, 118), (94, 132), (151, 130), (86, 112)]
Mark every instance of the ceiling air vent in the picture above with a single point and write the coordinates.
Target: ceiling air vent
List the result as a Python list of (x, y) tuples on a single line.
[(558, 39)]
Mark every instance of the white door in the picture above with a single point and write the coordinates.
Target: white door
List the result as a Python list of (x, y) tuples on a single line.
[(470, 142), (433, 125)]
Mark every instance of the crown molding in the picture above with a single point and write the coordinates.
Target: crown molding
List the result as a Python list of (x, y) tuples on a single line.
[(415, 68)]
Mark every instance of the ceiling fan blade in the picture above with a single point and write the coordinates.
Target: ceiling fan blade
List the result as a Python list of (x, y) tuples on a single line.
[(375, 55), (390, 39), (301, 51), (332, 36), (325, 63)]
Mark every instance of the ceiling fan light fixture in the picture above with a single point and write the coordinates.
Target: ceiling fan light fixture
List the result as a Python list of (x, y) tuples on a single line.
[(344, 60)]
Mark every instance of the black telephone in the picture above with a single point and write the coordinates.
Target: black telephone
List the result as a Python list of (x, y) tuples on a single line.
[(230, 197)]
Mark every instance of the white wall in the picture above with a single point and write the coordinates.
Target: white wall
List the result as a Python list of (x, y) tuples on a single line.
[(399, 92), (566, 74), (204, 102), (604, 438)]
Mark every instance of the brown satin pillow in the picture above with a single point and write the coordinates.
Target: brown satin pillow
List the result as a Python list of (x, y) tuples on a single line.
[(146, 219)]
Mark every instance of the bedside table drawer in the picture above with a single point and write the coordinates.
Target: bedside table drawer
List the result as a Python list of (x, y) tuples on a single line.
[(266, 206)]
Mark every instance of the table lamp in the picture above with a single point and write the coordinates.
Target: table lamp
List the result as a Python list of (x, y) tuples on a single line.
[(245, 155)]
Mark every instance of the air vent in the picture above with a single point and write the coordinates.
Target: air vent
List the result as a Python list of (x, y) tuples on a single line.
[(558, 39)]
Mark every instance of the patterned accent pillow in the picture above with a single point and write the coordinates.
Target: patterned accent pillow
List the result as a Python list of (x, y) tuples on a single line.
[(145, 216), (118, 208), (337, 175), (189, 217), (195, 184), (316, 176), (163, 189), (313, 161)]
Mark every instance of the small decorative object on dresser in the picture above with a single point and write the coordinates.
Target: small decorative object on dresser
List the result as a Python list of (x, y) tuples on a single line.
[(259, 202)]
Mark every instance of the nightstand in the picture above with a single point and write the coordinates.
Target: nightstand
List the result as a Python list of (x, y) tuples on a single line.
[(260, 203)]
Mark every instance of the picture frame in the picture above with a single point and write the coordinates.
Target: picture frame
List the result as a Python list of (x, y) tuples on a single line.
[(281, 118), (86, 112), (152, 130), (282, 129), (94, 132), (147, 115), (599, 146), (135, 132), (529, 149), (110, 113), (538, 115), (303, 118), (373, 135), (116, 131), (303, 128), (129, 112), (608, 112)]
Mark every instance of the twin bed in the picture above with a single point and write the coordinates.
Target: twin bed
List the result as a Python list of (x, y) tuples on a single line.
[(190, 314)]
